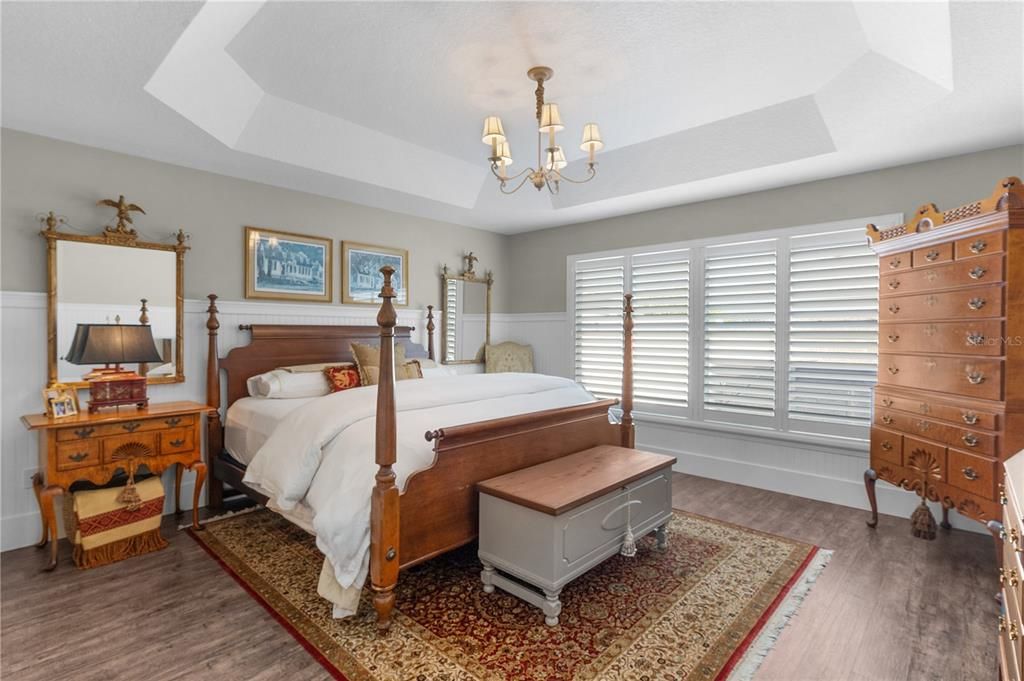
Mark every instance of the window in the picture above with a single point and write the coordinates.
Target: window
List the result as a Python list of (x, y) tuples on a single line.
[(451, 335), (739, 330), (660, 283), (773, 330), (833, 330), (598, 289)]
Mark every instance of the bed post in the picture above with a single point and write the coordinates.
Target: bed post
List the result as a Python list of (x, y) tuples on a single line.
[(384, 506), (628, 433), (430, 332), (214, 429)]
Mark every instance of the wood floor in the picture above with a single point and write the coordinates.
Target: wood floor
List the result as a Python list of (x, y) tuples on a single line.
[(888, 606)]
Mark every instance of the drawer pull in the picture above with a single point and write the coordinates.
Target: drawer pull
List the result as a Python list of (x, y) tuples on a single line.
[(894, 263), (1014, 634), (976, 378), (970, 439), (970, 418), (1002, 494), (894, 309), (924, 426), (177, 443), (932, 255), (976, 303), (1002, 624), (131, 426), (975, 338), (969, 473), (887, 420), (1011, 578), (887, 446), (894, 284), (894, 370), (78, 456), (977, 273), (893, 337), (173, 421), (85, 432), (978, 246), (886, 402)]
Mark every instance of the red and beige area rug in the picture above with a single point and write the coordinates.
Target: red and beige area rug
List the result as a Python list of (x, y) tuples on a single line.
[(710, 607)]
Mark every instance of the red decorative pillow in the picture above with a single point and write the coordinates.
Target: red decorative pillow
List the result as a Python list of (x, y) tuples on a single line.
[(342, 378)]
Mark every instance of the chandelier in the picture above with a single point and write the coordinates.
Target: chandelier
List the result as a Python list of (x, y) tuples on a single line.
[(550, 159)]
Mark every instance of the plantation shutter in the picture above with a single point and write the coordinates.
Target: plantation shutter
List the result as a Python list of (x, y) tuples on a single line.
[(451, 293), (660, 283), (739, 331), (833, 329), (598, 289)]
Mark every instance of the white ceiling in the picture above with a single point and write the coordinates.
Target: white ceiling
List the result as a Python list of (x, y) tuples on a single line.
[(381, 103)]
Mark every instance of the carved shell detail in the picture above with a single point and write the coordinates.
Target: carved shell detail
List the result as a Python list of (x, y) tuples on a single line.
[(131, 450)]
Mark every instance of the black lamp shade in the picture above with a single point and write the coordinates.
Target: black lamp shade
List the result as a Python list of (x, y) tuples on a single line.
[(113, 344)]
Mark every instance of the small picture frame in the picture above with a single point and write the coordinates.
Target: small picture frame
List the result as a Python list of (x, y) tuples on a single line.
[(286, 266), (361, 279), (61, 401)]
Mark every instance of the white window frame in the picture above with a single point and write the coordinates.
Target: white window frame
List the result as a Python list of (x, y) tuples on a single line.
[(694, 414)]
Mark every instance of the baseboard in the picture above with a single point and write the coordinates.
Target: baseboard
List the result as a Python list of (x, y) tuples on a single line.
[(844, 492), (19, 531)]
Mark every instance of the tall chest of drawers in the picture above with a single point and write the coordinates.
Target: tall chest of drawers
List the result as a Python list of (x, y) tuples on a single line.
[(1011, 572), (949, 400)]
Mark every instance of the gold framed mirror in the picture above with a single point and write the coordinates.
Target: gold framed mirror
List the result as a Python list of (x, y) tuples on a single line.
[(114, 278), (465, 314)]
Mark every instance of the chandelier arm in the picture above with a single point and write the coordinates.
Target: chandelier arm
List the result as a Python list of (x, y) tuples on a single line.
[(494, 172), (518, 186), (548, 183), (591, 174)]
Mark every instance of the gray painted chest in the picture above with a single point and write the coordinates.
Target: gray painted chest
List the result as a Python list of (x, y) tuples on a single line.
[(546, 525)]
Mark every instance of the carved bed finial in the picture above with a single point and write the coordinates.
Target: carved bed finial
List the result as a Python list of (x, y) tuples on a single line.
[(430, 331)]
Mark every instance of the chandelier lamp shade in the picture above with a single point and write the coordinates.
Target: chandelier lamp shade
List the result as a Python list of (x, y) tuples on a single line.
[(550, 158)]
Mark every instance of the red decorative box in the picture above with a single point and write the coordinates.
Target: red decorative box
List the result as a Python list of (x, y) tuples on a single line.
[(116, 390)]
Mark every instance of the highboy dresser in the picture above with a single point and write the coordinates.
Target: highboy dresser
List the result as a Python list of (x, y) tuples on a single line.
[(949, 401)]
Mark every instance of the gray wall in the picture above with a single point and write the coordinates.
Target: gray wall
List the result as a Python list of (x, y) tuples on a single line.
[(42, 174), (538, 258)]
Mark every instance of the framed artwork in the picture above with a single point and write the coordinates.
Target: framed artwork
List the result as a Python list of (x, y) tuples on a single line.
[(360, 273), (60, 400), (286, 266)]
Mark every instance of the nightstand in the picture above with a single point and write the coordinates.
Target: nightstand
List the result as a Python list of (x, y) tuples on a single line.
[(94, 447)]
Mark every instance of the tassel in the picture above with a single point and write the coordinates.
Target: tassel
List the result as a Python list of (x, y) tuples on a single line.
[(922, 522), (129, 495), (628, 544)]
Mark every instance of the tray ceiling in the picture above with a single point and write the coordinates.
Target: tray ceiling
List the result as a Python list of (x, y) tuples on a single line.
[(381, 103)]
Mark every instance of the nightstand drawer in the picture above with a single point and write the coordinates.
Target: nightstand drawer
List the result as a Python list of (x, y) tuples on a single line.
[(129, 446), (178, 421), (79, 433), (72, 455), (131, 426), (177, 440)]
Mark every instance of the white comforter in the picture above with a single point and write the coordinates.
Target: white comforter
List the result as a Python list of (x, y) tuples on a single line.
[(322, 455)]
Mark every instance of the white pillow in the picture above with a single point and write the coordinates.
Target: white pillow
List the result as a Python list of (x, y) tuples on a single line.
[(283, 385), (438, 371)]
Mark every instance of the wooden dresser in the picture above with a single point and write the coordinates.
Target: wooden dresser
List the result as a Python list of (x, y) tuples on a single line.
[(949, 401), (1011, 571), (95, 447)]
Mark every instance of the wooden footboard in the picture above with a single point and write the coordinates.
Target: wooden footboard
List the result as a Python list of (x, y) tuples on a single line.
[(440, 503)]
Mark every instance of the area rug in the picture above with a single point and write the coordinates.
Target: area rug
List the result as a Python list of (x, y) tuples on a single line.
[(709, 607)]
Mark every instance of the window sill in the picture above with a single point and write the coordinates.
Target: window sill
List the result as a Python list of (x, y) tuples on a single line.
[(847, 446)]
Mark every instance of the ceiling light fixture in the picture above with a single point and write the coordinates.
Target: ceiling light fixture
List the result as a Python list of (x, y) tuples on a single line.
[(550, 159)]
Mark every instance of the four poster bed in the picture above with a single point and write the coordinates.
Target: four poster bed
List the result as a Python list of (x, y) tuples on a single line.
[(438, 509)]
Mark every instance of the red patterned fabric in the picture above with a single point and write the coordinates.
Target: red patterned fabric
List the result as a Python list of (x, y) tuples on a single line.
[(120, 517), (342, 378)]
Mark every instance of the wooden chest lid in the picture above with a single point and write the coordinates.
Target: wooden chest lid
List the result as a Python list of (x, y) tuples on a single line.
[(557, 486)]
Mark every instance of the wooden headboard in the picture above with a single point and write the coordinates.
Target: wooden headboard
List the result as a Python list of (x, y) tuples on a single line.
[(277, 345)]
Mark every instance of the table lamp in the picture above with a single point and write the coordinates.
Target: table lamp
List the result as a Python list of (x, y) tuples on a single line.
[(114, 344)]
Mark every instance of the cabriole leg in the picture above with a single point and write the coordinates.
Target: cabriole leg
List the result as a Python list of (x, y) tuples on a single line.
[(870, 478), (37, 487), (945, 518)]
